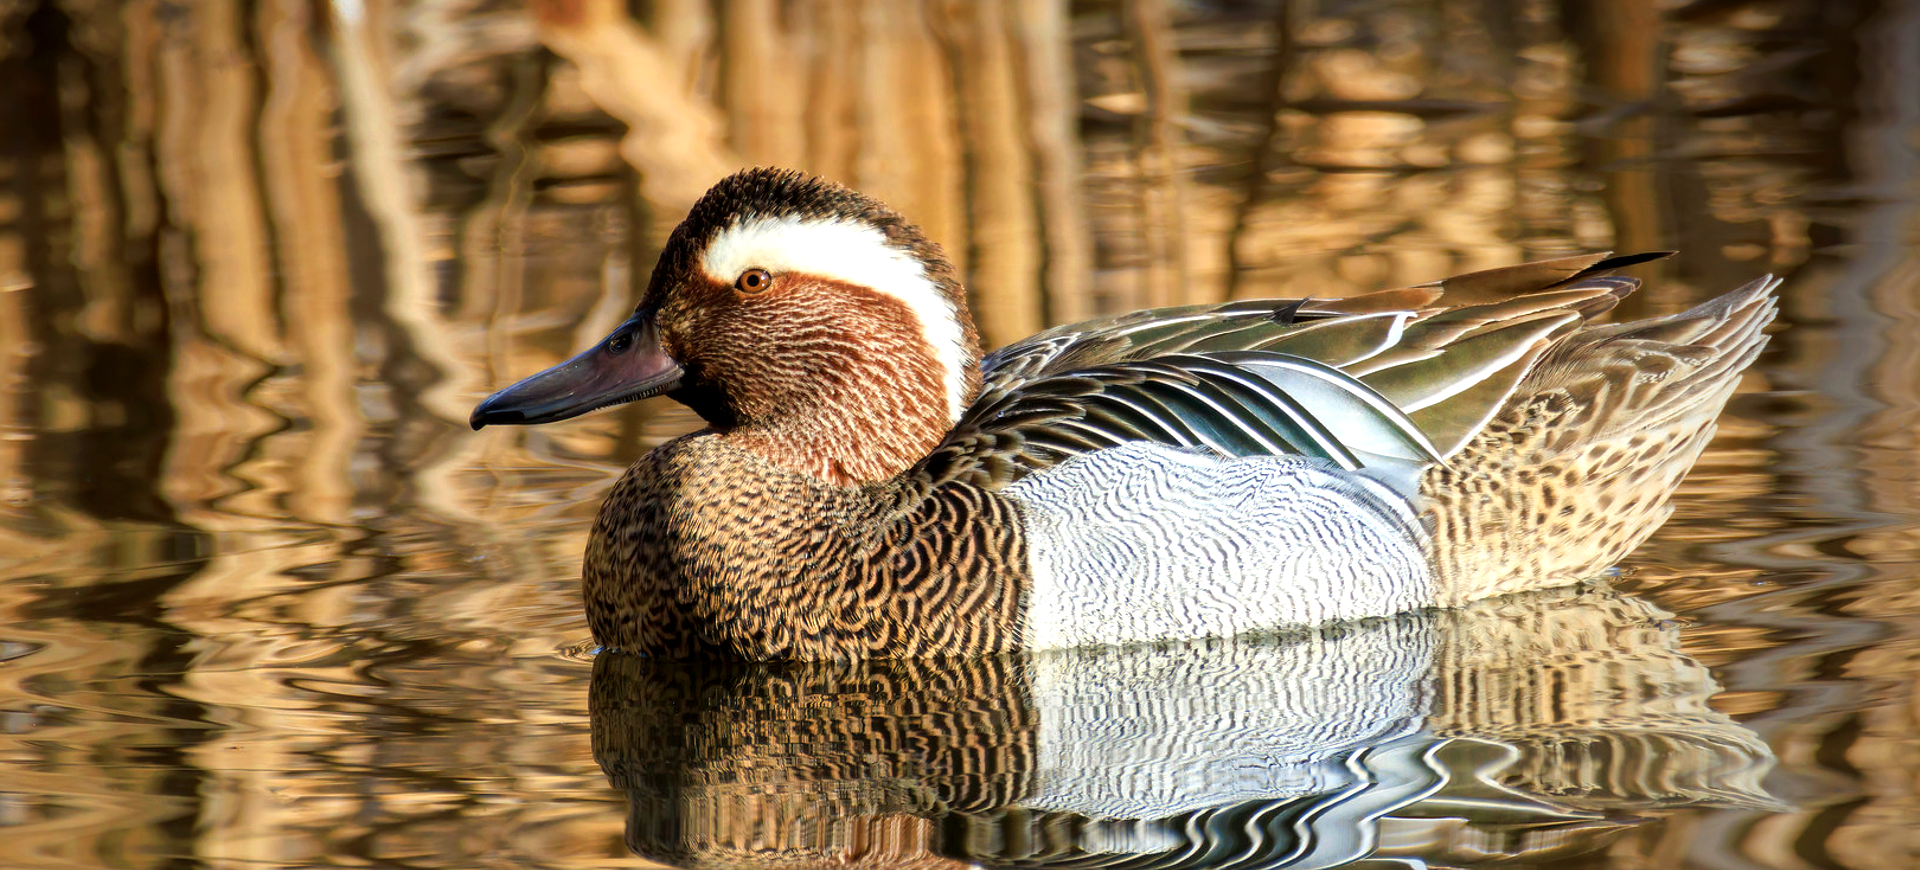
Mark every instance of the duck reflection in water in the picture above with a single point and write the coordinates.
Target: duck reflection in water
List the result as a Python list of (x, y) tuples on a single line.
[(1524, 726)]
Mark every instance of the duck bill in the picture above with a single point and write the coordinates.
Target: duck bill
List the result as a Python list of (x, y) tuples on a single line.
[(628, 364)]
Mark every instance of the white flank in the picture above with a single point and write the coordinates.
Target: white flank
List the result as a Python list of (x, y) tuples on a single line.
[(1146, 543), (856, 254)]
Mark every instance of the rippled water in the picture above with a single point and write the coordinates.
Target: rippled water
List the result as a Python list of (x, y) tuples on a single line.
[(265, 601)]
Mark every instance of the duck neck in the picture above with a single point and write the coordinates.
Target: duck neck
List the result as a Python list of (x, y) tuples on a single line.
[(867, 423)]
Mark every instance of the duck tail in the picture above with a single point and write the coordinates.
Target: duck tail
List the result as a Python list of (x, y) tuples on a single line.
[(1576, 468)]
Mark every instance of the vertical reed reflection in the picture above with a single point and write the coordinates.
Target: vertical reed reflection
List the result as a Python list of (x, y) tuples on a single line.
[(358, 215), (101, 349)]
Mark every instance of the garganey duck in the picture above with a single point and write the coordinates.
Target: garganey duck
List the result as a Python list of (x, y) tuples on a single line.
[(869, 486)]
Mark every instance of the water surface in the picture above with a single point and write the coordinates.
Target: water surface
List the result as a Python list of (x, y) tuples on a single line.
[(265, 601)]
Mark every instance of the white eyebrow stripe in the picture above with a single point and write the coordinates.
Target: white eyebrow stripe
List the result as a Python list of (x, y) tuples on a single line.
[(854, 253)]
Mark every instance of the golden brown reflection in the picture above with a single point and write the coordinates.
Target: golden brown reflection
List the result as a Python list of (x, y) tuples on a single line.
[(1531, 727), (265, 600)]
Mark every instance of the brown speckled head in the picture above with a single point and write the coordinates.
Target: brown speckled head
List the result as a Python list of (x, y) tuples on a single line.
[(816, 326)]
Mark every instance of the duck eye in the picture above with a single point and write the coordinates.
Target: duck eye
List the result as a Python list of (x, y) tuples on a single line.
[(619, 343), (753, 281)]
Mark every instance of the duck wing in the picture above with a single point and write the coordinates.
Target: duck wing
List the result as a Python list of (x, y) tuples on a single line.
[(1329, 330), (1387, 378), (1579, 467), (1243, 403)]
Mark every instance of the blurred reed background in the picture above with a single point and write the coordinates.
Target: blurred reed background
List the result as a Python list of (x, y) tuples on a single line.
[(259, 257), (264, 255)]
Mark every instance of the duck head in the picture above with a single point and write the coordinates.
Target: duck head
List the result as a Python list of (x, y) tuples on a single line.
[(803, 321)]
